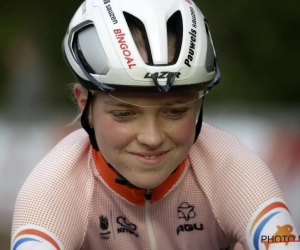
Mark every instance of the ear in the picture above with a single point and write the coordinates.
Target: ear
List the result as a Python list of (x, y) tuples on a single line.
[(80, 94)]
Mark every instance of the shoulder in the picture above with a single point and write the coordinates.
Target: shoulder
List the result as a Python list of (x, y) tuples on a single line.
[(71, 152), (50, 196), (64, 165), (221, 156), (58, 167), (218, 138), (77, 139), (235, 180), (216, 145)]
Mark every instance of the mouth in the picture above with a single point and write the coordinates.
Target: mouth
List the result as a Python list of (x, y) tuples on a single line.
[(154, 157), (151, 155)]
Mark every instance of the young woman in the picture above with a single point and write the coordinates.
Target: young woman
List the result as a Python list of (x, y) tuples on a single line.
[(140, 175)]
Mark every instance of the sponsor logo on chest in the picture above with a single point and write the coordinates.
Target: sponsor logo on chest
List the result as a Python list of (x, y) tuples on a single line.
[(187, 212), (104, 225), (123, 226), (126, 226)]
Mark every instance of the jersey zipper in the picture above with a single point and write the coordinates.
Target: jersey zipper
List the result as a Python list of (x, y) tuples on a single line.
[(148, 195)]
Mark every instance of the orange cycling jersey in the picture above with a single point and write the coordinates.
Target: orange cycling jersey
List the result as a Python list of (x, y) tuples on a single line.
[(220, 194)]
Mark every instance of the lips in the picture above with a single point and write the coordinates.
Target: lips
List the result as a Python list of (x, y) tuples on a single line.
[(153, 157), (150, 155)]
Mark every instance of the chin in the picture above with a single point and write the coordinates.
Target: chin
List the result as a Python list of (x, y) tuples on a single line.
[(147, 184)]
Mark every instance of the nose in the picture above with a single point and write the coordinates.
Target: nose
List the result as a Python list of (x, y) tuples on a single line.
[(151, 133)]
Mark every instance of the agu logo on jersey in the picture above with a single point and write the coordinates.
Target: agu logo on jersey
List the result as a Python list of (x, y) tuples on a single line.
[(30, 236), (271, 221)]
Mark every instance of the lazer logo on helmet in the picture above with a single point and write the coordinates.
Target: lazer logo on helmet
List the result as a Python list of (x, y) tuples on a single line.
[(124, 47), (190, 57), (161, 75)]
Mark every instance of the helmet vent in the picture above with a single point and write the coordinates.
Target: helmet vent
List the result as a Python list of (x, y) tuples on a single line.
[(210, 54), (84, 62), (175, 34), (137, 27)]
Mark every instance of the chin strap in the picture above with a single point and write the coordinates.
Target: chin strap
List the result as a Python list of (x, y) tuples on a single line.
[(199, 122), (85, 121), (120, 179)]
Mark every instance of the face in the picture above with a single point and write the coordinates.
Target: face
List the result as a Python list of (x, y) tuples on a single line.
[(144, 144)]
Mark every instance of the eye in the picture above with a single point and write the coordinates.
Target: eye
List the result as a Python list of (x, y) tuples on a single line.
[(123, 115), (176, 113)]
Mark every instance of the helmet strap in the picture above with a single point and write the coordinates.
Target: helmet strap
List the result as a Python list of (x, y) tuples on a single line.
[(199, 122), (85, 122)]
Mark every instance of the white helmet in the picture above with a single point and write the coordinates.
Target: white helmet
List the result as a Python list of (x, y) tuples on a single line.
[(101, 51)]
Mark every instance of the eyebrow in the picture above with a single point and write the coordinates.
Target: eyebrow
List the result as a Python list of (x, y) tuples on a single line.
[(127, 105), (119, 104)]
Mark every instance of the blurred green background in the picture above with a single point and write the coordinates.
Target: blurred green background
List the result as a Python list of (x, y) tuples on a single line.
[(257, 44)]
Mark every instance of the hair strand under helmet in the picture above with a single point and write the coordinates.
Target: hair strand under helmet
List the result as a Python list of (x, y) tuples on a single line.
[(101, 51)]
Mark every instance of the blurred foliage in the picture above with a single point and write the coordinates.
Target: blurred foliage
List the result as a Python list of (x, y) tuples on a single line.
[(256, 43)]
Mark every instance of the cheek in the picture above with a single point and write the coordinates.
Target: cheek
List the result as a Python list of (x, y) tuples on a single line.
[(110, 134), (184, 132)]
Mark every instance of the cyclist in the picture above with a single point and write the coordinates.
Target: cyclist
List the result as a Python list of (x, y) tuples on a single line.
[(140, 175)]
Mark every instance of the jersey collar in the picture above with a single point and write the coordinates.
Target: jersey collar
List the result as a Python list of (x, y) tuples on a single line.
[(133, 194)]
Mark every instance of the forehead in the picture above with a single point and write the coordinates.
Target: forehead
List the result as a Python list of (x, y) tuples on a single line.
[(148, 99)]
